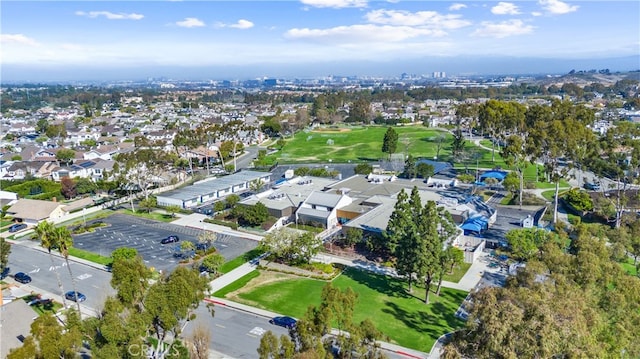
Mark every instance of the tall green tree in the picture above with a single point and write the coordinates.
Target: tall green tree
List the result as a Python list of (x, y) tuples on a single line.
[(170, 302), (130, 277), (390, 142), (65, 155), (400, 222), (64, 241), (49, 339), (44, 232), (458, 144), (5, 250), (410, 167), (360, 111), (409, 251)]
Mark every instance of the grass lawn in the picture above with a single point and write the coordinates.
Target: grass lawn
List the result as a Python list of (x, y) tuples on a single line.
[(629, 267), (458, 273), (162, 217), (506, 199), (90, 256), (80, 221), (236, 262), (51, 307), (5, 222), (358, 144), (402, 317), (237, 284)]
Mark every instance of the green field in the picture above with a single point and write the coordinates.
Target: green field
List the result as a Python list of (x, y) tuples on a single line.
[(458, 273), (359, 144), (402, 317), (629, 267), (236, 262), (90, 256)]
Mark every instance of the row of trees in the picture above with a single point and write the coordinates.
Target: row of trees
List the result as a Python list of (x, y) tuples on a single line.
[(529, 135)]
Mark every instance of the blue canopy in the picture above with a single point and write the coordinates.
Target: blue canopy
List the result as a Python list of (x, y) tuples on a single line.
[(475, 224), (499, 175), (473, 227)]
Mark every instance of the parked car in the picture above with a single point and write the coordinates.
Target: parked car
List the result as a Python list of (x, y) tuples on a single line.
[(592, 186), (75, 296), (5, 272), (21, 277), (286, 322), (17, 227), (170, 239)]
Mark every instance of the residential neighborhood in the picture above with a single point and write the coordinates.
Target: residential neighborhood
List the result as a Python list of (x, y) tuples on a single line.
[(415, 214)]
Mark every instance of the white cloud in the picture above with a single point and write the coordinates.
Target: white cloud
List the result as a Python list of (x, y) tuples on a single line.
[(242, 24), (336, 4), (17, 39), (360, 34), (457, 6), (503, 29), (536, 13), (505, 8), (430, 19), (190, 22), (110, 15), (557, 7)]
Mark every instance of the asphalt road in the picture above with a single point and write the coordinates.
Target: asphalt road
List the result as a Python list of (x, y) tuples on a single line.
[(237, 334), (145, 235), (92, 282)]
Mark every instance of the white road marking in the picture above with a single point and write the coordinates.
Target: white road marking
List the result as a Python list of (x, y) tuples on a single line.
[(257, 331), (84, 276)]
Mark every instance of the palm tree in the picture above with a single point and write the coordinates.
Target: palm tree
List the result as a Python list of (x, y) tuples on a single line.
[(207, 238), (65, 241), (44, 231)]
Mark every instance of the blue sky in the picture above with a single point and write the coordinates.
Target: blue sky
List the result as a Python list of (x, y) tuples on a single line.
[(147, 34)]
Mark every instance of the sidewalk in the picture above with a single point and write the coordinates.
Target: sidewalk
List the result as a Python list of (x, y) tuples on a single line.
[(18, 291), (196, 221), (36, 246), (228, 278)]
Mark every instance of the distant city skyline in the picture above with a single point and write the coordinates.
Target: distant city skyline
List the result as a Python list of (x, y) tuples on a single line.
[(99, 40)]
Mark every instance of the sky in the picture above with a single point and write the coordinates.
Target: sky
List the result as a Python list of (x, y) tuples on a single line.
[(308, 37)]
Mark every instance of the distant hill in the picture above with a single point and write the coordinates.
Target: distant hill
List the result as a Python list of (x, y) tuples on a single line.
[(583, 78)]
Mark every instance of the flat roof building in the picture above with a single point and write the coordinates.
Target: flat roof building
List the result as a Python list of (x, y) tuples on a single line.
[(211, 189)]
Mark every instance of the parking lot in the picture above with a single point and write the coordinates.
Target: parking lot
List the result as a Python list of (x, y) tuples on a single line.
[(145, 235)]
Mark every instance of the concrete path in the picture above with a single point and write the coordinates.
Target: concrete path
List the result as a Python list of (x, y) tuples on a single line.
[(228, 278), (196, 220), (466, 283)]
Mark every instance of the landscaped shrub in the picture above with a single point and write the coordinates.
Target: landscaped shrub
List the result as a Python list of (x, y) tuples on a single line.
[(36, 189), (231, 225), (580, 200)]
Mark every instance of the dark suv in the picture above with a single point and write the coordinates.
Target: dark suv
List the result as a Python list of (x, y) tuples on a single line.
[(170, 239), (17, 227), (21, 277)]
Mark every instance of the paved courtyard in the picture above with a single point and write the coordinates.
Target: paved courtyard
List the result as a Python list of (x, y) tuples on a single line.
[(145, 235)]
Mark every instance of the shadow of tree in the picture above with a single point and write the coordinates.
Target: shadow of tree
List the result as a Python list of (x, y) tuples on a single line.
[(391, 287), (436, 318)]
